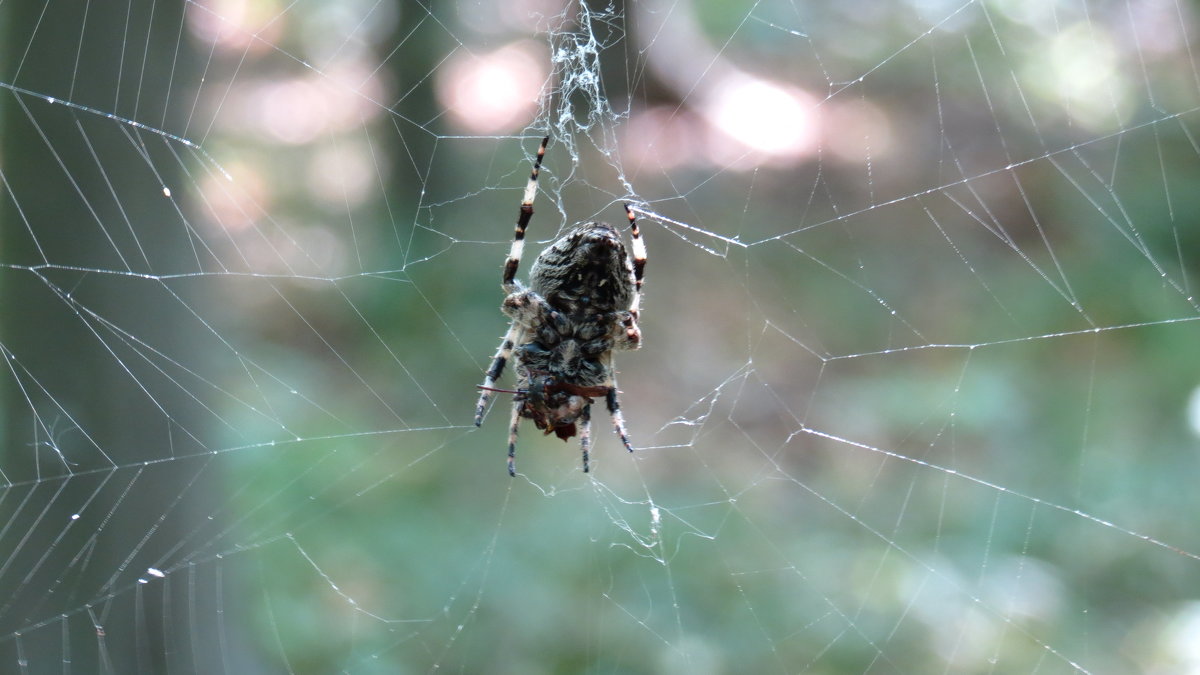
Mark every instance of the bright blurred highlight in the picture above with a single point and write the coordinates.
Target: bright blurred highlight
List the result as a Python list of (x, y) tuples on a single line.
[(1079, 70), (496, 92), (1193, 411), (1182, 638), (770, 118), (236, 25)]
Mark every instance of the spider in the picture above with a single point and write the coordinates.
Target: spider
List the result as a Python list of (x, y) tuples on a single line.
[(581, 304)]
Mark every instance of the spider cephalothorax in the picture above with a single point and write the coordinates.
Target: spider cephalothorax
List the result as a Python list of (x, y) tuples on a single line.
[(554, 406), (582, 303)]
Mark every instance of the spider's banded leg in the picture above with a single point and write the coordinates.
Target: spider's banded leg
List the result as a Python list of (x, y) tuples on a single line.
[(639, 261), (518, 244), (631, 336), (528, 308), (618, 419), (585, 434), (493, 373), (512, 438)]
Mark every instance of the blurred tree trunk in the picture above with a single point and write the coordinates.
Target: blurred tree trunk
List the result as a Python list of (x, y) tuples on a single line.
[(90, 411)]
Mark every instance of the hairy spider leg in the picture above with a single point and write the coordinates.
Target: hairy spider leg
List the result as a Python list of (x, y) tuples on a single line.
[(585, 434), (512, 438), (618, 419), (632, 337), (493, 373), (510, 286), (526, 213), (639, 261)]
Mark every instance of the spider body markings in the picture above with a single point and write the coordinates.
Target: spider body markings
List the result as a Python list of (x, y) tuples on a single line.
[(581, 304)]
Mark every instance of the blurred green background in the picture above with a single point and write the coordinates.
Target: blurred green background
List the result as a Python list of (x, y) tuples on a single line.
[(919, 390)]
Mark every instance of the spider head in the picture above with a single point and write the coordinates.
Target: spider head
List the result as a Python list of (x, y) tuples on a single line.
[(554, 406)]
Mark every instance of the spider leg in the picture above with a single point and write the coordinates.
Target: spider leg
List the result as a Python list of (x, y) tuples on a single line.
[(526, 213), (531, 310), (493, 373), (585, 434), (618, 419), (639, 261), (512, 438), (629, 336)]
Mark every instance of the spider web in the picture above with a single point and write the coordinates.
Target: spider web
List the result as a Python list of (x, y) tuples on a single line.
[(919, 389)]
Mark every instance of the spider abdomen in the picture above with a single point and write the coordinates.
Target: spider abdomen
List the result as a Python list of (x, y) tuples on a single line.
[(566, 360), (586, 272)]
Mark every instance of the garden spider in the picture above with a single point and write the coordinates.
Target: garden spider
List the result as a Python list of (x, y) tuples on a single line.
[(582, 303)]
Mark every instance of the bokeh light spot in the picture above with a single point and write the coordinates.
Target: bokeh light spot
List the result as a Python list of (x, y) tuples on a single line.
[(772, 119), (495, 92)]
